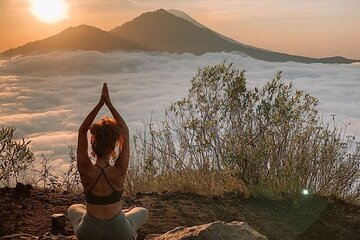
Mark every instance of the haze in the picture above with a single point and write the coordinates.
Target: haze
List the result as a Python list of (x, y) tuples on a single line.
[(309, 28)]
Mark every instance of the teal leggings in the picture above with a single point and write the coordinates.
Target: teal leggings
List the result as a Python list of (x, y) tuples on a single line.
[(121, 227)]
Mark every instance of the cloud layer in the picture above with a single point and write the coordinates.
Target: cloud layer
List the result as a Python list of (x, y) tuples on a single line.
[(47, 96)]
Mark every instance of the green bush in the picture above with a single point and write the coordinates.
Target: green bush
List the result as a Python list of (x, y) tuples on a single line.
[(15, 156), (271, 139)]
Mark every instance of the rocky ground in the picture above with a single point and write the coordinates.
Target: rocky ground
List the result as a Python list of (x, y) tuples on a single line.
[(29, 211)]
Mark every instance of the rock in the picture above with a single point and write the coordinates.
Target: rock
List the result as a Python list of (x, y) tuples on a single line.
[(58, 224), (211, 231), (47, 236), (19, 236), (22, 189), (29, 186), (20, 186), (152, 236)]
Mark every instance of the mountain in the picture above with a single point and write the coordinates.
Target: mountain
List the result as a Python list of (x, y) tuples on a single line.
[(82, 37), (183, 15), (170, 31), (163, 31), (193, 21)]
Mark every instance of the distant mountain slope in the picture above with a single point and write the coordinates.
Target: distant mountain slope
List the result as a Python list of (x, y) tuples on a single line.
[(193, 21), (183, 15), (163, 31), (82, 37), (172, 31)]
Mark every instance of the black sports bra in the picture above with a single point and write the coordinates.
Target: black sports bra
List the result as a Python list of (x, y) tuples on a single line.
[(114, 197)]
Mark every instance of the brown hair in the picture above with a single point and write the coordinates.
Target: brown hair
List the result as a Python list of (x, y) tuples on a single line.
[(105, 134)]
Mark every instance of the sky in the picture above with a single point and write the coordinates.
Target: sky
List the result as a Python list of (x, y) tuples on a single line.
[(320, 28)]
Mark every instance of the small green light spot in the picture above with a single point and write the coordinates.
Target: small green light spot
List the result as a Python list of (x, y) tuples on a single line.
[(305, 192)]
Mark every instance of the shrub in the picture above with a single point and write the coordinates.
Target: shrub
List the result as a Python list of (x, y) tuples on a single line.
[(71, 178), (48, 179), (68, 181), (16, 156), (271, 139)]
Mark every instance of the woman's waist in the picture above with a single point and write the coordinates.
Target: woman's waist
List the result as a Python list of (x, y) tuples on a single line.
[(104, 212)]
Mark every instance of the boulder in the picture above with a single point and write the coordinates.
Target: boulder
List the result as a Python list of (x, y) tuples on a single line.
[(211, 231)]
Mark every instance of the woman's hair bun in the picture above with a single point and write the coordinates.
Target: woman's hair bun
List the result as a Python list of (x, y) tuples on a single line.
[(105, 134)]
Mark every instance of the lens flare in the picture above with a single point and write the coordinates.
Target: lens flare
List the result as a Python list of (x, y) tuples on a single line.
[(305, 191), (49, 11)]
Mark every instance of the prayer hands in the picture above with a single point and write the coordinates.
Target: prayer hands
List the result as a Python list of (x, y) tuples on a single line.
[(105, 97)]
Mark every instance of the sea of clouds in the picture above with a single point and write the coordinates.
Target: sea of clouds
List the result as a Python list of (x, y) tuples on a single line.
[(47, 96)]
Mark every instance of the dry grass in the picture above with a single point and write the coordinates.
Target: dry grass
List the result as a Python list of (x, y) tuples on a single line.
[(194, 181)]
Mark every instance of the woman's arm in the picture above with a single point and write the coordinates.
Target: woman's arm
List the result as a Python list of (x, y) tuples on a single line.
[(83, 160), (122, 161)]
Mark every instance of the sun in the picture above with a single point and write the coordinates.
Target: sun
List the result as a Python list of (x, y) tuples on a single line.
[(49, 11)]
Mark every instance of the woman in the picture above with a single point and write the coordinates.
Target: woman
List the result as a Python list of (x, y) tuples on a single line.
[(102, 217)]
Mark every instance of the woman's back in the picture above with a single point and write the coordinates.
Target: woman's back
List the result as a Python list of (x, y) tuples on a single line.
[(102, 188)]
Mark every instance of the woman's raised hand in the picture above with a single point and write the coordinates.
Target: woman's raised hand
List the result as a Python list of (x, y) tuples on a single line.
[(105, 97)]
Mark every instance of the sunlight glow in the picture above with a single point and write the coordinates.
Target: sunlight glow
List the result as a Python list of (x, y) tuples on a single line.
[(49, 11), (305, 191)]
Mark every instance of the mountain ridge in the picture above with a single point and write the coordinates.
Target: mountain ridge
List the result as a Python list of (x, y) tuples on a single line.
[(73, 38), (160, 30)]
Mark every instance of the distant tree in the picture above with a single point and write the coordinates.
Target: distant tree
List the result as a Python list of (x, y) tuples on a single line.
[(16, 156)]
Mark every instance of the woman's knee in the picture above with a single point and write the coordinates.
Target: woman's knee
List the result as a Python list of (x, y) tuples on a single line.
[(75, 211), (138, 216), (141, 210), (76, 208), (144, 213)]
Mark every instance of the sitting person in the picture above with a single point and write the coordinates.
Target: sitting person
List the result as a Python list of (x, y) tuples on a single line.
[(103, 217)]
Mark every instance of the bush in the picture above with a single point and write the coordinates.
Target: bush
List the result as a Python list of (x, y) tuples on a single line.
[(48, 179), (71, 178), (68, 181), (15, 156), (271, 139)]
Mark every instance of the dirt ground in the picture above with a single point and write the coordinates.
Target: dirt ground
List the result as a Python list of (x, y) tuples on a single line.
[(29, 211)]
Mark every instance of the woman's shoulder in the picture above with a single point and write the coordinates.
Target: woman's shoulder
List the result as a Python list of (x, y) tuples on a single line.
[(114, 172), (88, 172)]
